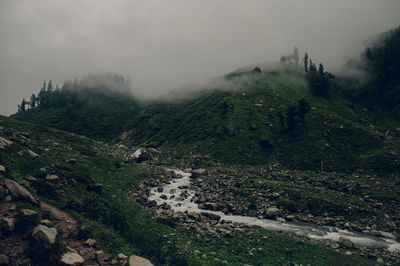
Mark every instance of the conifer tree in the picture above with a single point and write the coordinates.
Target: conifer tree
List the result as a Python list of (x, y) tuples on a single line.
[(23, 103), (306, 63), (33, 101)]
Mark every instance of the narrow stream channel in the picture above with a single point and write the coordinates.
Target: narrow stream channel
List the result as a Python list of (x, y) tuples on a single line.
[(180, 198)]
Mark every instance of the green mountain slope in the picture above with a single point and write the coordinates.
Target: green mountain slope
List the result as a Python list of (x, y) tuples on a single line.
[(243, 119), (65, 170), (99, 116), (242, 123)]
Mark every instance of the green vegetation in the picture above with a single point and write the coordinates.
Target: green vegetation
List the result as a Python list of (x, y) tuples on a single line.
[(118, 223), (379, 90), (244, 121)]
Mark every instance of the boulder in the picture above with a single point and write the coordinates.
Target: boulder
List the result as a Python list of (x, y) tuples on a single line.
[(7, 224), (211, 216), (51, 177), (45, 234), (71, 161), (153, 144), (2, 168), (90, 242), (4, 260), (71, 258), (32, 153), (346, 242), (151, 203), (212, 206), (272, 212), (96, 187), (163, 196), (28, 213), (19, 191), (4, 143), (231, 130), (122, 256), (198, 172), (139, 261), (47, 222), (28, 218)]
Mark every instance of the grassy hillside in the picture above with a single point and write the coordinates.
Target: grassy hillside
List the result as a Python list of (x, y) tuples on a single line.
[(122, 225), (96, 118), (117, 222), (79, 163), (242, 119), (242, 123)]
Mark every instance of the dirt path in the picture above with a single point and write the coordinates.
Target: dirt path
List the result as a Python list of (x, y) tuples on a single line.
[(69, 228)]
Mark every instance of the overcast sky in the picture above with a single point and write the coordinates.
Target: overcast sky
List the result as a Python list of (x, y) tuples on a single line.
[(165, 44)]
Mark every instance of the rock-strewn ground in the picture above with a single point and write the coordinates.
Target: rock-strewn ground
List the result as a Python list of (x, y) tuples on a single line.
[(358, 202)]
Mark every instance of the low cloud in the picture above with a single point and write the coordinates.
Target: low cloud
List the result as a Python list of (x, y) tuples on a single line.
[(162, 45)]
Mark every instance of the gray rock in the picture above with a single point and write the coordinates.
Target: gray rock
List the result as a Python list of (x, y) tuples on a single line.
[(122, 256), (211, 216), (272, 212), (163, 196), (231, 130), (47, 222), (71, 161), (19, 191), (151, 203), (2, 168), (71, 258), (198, 172), (139, 261), (32, 153), (51, 177), (211, 206), (4, 260), (90, 242), (4, 143), (45, 234), (28, 213), (28, 218), (7, 224), (346, 242)]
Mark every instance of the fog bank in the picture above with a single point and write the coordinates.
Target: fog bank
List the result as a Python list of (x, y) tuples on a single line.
[(162, 45)]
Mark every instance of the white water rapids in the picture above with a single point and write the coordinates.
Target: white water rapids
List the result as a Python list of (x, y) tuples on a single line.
[(181, 186)]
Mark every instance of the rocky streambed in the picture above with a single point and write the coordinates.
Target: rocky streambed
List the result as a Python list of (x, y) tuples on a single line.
[(179, 196)]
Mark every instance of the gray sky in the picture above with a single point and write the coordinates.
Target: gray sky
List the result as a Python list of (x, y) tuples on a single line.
[(165, 44)]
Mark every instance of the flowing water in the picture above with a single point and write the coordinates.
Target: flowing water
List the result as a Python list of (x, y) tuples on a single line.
[(180, 198)]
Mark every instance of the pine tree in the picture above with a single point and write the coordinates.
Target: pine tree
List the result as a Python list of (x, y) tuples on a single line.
[(33, 101), (304, 108), (321, 70), (50, 86), (291, 117), (306, 63), (23, 103)]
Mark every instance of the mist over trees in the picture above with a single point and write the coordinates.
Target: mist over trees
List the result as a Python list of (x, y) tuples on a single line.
[(374, 81), (319, 80), (291, 59), (77, 91), (383, 67)]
